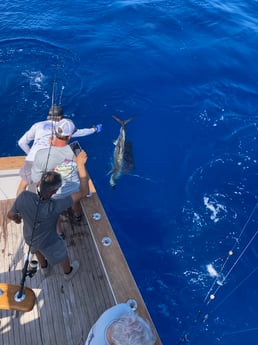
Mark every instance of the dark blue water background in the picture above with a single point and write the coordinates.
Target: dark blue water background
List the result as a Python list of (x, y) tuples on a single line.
[(188, 71)]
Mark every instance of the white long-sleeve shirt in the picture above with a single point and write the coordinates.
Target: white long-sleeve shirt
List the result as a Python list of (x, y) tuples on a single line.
[(40, 133)]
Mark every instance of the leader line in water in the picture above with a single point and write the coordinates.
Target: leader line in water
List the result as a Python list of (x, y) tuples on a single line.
[(219, 281)]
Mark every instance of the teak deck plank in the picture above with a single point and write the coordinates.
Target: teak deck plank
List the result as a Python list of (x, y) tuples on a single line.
[(14, 162), (65, 311)]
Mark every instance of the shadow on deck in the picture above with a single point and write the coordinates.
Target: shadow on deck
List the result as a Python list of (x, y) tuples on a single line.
[(64, 311)]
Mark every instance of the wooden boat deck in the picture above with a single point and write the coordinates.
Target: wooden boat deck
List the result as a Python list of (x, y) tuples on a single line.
[(65, 310)]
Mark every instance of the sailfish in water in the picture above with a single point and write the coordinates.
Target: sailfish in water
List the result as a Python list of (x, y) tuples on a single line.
[(122, 156)]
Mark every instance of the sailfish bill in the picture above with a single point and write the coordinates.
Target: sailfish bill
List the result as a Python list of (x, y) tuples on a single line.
[(122, 156)]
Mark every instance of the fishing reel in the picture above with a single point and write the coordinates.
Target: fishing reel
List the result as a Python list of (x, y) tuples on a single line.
[(18, 297), (32, 268)]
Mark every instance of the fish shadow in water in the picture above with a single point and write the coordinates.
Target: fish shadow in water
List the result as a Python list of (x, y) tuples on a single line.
[(128, 159)]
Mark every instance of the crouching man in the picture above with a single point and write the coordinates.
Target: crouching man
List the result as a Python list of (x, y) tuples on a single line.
[(40, 214)]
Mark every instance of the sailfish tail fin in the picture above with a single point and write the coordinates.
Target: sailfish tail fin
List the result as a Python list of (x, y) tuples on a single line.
[(123, 122)]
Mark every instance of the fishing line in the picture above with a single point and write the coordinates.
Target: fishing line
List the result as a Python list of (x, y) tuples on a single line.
[(35, 223), (54, 120), (186, 336), (245, 225), (210, 295), (235, 263), (61, 95), (230, 253), (236, 288), (53, 98), (240, 331)]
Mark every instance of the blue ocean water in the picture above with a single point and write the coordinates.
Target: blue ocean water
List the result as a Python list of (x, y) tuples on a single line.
[(188, 71)]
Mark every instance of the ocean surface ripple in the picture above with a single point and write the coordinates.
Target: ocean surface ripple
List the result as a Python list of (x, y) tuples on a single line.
[(187, 71)]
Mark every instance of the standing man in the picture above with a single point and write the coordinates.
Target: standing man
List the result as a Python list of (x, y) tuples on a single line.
[(59, 157), (40, 133), (40, 213)]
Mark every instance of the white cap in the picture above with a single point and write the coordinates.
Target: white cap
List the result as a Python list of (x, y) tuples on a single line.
[(65, 128)]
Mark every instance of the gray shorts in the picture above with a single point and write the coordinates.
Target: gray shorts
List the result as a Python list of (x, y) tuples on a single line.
[(55, 253), (25, 171)]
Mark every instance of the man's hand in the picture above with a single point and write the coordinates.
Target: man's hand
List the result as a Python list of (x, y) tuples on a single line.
[(81, 159), (16, 217)]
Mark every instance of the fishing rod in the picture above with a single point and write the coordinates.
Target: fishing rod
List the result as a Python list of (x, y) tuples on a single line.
[(53, 97), (54, 88), (24, 298), (33, 268)]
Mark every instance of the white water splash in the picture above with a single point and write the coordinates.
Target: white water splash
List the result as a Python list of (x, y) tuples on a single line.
[(36, 78), (214, 274), (214, 208), (211, 270)]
